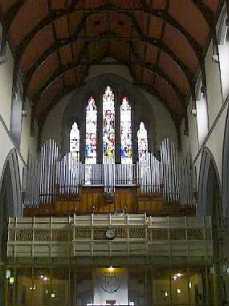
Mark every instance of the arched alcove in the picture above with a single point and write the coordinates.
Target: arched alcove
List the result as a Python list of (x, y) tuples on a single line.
[(209, 191), (225, 169), (10, 196), (210, 204)]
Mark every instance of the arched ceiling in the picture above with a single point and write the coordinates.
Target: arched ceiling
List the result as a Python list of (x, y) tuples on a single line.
[(56, 41)]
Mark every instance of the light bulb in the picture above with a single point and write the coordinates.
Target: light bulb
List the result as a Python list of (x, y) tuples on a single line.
[(111, 269)]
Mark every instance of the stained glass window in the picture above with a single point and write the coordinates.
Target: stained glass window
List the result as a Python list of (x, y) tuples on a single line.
[(108, 125), (75, 140), (142, 142), (126, 134), (91, 125)]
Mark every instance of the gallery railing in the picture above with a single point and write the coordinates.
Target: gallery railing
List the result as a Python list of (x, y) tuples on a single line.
[(51, 175), (111, 235)]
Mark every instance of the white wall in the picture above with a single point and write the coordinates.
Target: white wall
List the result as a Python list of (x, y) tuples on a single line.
[(202, 118), (164, 125), (214, 88), (6, 142), (6, 83), (53, 124), (217, 110), (224, 64)]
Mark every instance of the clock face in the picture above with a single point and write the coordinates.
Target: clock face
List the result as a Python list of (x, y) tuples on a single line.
[(110, 233)]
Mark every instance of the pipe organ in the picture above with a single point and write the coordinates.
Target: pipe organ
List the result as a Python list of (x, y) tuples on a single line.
[(108, 234), (108, 187)]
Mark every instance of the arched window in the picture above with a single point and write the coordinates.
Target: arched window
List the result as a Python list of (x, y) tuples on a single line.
[(202, 118), (108, 125), (75, 140), (142, 142), (108, 133), (223, 51), (91, 125), (126, 133)]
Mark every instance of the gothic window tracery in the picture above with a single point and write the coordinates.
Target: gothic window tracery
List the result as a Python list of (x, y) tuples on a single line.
[(91, 129), (108, 125), (126, 132), (75, 140), (142, 142), (107, 151)]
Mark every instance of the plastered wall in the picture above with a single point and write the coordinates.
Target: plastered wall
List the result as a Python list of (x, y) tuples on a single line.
[(6, 141), (217, 111), (6, 83)]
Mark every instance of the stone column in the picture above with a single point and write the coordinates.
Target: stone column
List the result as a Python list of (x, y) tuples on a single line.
[(149, 136), (134, 126), (118, 102), (99, 147), (82, 128)]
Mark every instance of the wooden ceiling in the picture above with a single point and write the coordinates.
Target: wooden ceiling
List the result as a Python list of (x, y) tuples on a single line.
[(162, 42)]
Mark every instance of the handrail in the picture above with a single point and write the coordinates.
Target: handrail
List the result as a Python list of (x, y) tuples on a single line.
[(119, 235)]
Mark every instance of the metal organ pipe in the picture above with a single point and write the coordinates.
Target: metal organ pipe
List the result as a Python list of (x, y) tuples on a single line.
[(52, 175)]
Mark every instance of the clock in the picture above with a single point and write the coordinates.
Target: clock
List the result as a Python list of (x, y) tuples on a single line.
[(110, 233)]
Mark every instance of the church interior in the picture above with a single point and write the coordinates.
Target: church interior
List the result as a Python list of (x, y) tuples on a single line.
[(114, 152)]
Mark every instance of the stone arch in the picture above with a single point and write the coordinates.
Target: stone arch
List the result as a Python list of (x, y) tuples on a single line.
[(225, 169), (209, 191), (10, 195)]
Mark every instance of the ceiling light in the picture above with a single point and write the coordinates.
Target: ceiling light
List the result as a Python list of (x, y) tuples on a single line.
[(177, 275), (111, 269)]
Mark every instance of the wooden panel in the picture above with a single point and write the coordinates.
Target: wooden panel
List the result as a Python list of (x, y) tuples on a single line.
[(125, 199), (91, 199)]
